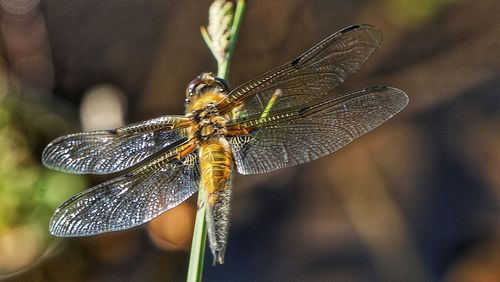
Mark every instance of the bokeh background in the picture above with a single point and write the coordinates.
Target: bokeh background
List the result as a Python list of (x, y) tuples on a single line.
[(415, 200)]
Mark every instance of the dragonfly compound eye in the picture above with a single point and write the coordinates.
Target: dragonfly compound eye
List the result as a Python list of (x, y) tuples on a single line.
[(205, 82), (223, 87)]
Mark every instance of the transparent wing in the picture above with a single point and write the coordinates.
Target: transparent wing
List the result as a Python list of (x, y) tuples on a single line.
[(311, 76), (108, 151), (129, 200), (306, 133)]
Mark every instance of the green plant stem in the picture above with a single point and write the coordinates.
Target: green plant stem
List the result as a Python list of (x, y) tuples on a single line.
[(196, 258)]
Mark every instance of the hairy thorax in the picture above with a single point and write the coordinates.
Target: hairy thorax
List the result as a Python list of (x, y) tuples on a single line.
[(207, 122)]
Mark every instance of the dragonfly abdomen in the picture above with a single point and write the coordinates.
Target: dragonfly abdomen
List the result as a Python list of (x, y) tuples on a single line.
[(216, 164)]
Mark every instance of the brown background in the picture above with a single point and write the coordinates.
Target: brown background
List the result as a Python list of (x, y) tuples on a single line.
[(416, 200)]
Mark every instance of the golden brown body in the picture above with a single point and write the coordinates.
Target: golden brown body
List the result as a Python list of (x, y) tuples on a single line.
[(214, 152), (208, 131), (215, 164)]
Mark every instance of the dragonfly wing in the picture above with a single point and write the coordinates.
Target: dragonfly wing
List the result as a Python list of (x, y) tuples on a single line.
[(306, 133), (312, 75), (108, 151), (128, 200)]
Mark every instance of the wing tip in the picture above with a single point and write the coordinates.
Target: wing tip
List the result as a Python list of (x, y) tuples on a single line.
[(401, 95), (395, 92), (55, 229), (57, 232), (374, 32), (52, 160), (46, 154)]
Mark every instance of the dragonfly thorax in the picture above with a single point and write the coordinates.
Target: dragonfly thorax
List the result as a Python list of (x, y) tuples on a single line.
[(207, 124), (203, 95)]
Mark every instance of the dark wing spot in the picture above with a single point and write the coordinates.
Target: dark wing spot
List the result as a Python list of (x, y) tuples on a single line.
[(352, 27)]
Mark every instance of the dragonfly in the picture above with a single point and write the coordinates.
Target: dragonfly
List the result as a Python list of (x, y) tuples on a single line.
[(285, 117)]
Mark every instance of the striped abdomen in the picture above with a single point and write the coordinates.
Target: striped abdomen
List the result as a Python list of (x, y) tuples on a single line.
[(216, 164)]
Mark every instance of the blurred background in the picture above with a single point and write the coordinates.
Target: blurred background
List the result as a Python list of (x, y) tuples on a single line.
[(415, 200)]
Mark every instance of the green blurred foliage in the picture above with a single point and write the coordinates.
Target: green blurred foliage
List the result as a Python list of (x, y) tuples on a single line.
[(415, 12), (29, 193)]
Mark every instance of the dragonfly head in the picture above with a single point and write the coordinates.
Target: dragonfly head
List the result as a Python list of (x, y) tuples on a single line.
[(203, 83)]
